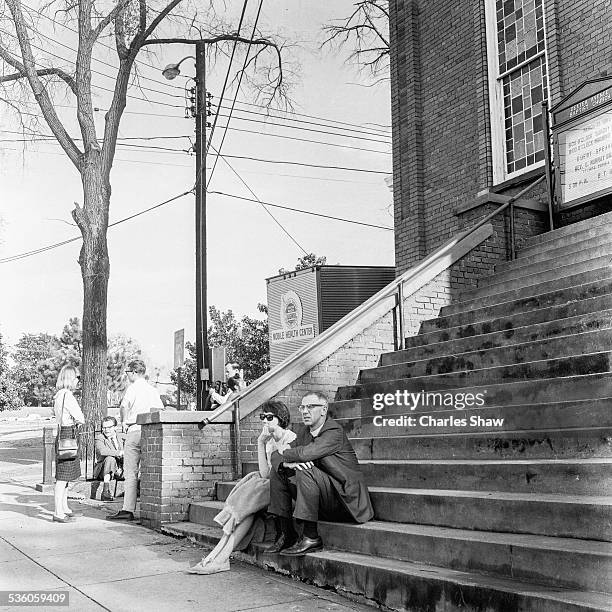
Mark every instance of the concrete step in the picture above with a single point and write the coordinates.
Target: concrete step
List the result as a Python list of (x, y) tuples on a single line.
[(551, 443), (586, 315), (203, 513), (496, 419), (536, 373), (562, 562), (558, 515), (540, 559), (411, 586), (528, 294), (548, 242), (600, 224), (572, 476), (525, 258), (527, 392), (446, 360), (224, 489), (508, 281), (560, 262), (536, 308)]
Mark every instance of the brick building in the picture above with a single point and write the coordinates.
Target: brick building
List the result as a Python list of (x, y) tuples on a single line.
[(468, 80)]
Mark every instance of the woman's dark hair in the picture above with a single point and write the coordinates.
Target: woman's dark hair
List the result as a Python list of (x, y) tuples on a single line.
[(279, 410), (232, 383)]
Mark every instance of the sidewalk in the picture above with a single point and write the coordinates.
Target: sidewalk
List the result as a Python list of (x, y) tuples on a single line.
[(125, 567)]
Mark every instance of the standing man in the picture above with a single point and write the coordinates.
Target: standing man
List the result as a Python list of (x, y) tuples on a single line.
[(139, 398), (109, 453), (321, 472)]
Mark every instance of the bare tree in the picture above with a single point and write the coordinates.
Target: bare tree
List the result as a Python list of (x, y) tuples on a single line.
[(366, 32), (131, 25)]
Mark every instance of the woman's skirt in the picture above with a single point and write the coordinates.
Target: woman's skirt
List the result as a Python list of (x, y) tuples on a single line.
[(67, 469)]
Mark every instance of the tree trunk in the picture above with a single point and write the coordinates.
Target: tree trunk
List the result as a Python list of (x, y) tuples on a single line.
[(95, 268)]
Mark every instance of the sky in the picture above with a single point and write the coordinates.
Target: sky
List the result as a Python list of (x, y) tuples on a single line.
[(152, 274)]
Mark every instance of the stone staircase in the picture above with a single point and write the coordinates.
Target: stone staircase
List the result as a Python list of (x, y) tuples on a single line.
[(489, 516)]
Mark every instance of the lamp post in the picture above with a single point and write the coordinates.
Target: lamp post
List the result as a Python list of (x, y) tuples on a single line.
[(170, 72)]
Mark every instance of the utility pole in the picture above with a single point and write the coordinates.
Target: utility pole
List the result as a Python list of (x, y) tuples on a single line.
[(202, 358)]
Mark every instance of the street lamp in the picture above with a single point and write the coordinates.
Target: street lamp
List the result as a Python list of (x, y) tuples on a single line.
[(170, 72)]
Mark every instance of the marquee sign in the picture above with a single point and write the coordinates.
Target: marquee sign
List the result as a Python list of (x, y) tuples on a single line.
[(582, 135), (291, 314)]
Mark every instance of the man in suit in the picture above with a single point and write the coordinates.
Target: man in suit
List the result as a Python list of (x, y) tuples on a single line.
[(321, 472), (109, 456)]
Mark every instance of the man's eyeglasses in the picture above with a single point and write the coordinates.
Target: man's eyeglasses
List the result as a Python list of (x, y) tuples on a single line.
[(266, 417), (108, 427), (310, 407)]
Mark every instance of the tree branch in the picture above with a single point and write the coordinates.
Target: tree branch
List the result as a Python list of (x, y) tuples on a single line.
[(40, 72), (117, 10), (39, 90)]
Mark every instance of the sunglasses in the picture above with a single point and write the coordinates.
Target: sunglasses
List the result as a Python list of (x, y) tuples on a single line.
[(266, 417)]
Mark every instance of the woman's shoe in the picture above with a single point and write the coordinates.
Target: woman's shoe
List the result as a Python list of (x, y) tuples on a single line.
[(62, 519), (211, 568)]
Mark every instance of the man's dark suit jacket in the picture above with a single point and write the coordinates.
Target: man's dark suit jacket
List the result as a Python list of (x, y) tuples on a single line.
[(332, 453), (105, 448)]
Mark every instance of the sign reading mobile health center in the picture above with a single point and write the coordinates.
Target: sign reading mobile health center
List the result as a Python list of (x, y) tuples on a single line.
[(291, 317)]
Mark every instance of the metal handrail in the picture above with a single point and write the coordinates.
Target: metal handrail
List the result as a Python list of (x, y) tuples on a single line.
[(393, 288)]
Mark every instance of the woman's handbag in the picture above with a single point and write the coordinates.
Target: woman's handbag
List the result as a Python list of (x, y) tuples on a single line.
[(67, 448)]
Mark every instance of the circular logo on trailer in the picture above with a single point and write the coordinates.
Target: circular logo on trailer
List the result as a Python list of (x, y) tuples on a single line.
[(290, 310)]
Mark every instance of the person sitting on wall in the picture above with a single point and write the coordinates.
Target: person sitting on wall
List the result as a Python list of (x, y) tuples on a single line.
[(252, 493), (109, 456), (320, 471)]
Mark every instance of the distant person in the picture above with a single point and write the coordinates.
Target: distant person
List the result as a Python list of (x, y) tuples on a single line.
[(68, 415), (232, 370), (220, 398), (140, 398), (109, 455), (252, 493)]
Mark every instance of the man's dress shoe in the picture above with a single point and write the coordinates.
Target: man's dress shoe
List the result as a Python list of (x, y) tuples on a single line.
[(303, 546), (122, 515), (281, 543)]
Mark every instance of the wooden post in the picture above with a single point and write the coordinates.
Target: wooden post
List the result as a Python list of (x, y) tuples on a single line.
[(48, 447)]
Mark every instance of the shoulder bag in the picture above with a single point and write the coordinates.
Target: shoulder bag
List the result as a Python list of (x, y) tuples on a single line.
[(67, 448)]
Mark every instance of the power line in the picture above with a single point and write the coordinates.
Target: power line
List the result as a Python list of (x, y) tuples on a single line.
[(299, 210), (75, 238), (154, 148), (361, 134), (227, 73), (137, 61), (121, 159), (169, 85), (231, 110), (359, 131), (294, 163), (263, 205)]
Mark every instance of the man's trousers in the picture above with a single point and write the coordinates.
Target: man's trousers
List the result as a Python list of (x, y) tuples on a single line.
[(315, 496), (131, 466)]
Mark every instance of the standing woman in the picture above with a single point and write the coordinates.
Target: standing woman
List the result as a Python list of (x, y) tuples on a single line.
[(67, 415)]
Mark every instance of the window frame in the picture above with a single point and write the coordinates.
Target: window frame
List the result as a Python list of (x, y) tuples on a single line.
[(496, 95)]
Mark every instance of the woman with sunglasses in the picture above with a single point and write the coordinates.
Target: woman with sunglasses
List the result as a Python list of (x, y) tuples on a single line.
[(252, 493), (67, 415)]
